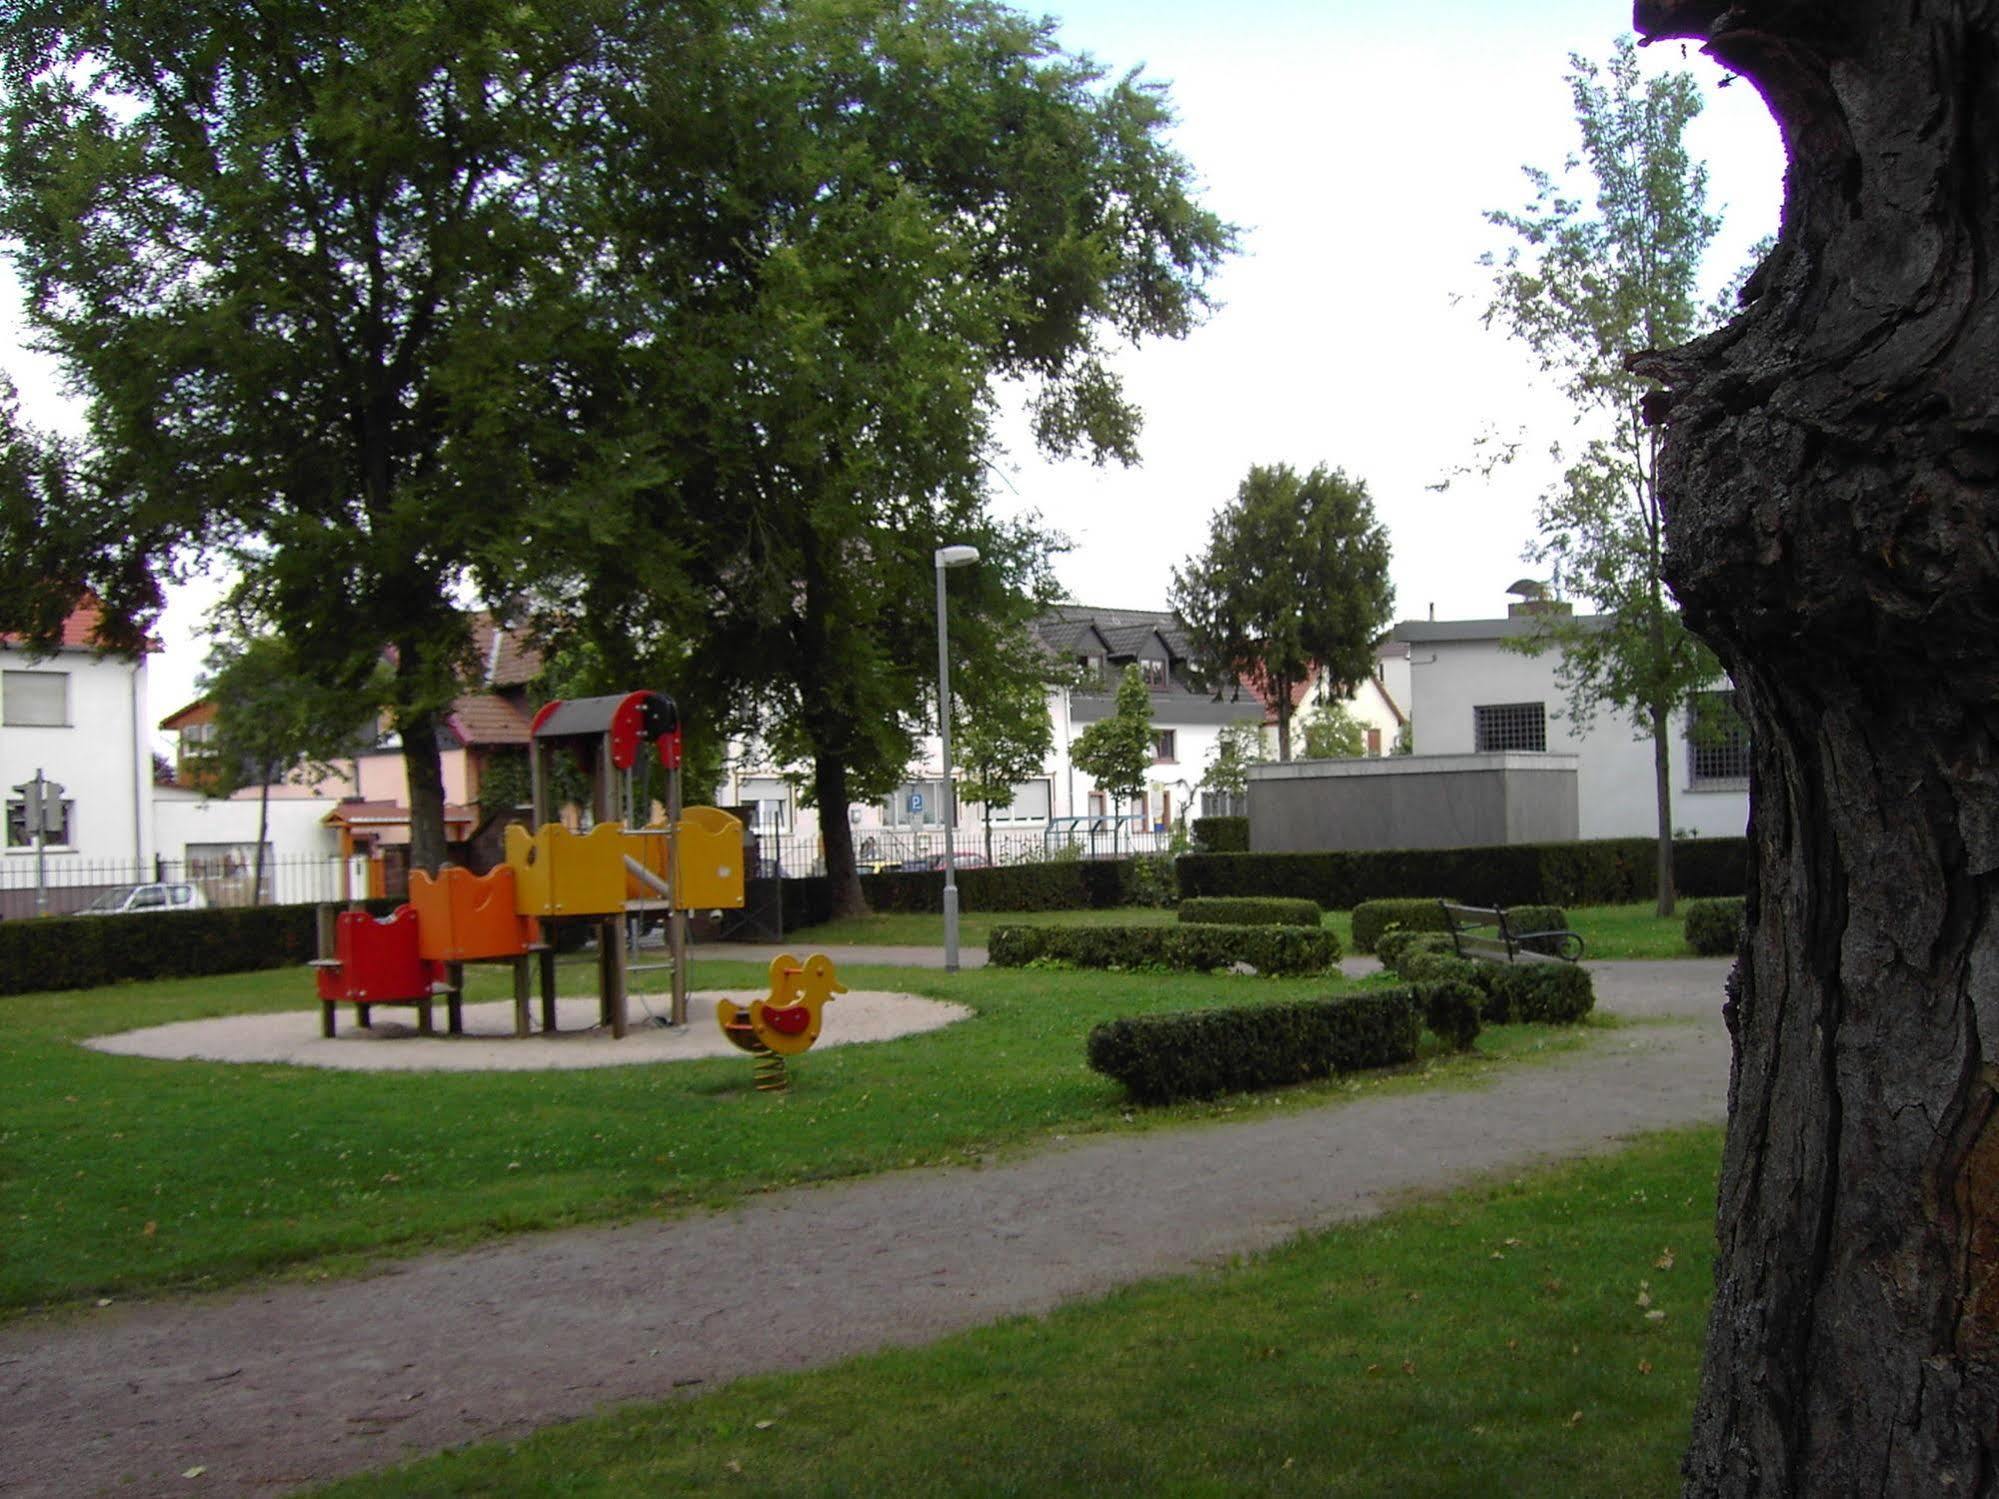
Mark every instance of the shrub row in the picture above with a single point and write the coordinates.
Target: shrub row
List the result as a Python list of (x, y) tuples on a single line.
[(1043, 885), (1602, 871), (1532, 993), (1270, 910), (82, 952), (1713, 927), (1202, 1053), (1373, 917), (1221, 835), (1270, 950)]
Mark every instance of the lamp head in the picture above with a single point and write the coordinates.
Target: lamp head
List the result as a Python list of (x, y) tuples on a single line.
[(957, 556)]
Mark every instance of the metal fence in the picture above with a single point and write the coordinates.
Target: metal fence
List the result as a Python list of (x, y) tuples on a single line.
[(880, 850), (69, 884)]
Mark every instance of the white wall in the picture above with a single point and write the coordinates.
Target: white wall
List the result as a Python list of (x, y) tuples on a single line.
[(102, 757), (1615, 780)]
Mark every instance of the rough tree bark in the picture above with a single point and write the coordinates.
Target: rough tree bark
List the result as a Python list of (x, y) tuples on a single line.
[(1832, 477)]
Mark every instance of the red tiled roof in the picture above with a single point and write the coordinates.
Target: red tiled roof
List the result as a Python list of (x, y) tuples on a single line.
[(488, 719), (79, 631), (516, 661), (389, 814), (201, 710)]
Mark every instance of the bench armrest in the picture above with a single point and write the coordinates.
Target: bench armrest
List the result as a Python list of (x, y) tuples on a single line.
[(1568, 945)]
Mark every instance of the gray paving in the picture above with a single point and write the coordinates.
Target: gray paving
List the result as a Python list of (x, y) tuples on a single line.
[(276, 1387)]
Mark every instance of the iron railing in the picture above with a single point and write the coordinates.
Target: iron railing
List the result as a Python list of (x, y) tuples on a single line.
[(69, 884)]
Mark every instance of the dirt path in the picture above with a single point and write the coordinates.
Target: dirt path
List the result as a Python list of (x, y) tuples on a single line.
[(279, 1387)]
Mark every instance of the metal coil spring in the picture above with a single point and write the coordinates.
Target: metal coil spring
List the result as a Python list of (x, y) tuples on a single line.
[(770, 1074)]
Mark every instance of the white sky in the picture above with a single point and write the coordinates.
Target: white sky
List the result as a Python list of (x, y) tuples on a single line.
[(1357, 146)]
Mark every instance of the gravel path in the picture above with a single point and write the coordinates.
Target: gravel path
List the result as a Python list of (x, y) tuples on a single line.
[(273, 1388)]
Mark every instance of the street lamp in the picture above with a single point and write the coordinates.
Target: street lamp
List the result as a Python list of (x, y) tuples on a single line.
[(957, 556)]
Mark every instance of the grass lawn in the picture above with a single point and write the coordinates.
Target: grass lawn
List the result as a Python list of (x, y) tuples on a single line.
[(1537, 1336), (1627, 931), (123, 1174)]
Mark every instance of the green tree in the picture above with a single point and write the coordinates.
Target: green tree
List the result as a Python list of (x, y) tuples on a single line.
[(1116, 751), (1294, 578), (1599, 274), (1333, 733), (331, 280), (273, 723), (1002, 741), (924, 203), (1238, 746)]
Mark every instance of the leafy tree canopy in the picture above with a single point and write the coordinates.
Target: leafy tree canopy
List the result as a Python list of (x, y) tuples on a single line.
[(1333, 733), (1237, 747), (1294, 577), (1116, 751)]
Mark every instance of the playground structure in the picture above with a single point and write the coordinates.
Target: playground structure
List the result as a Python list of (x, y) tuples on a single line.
[(787, 1021), (690, 859)]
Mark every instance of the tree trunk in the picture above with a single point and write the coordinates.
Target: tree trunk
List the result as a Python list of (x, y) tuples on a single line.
[(263, 832), (423, 767), (1281, 700), (1662, 789), (829, 789), (1831, 474)]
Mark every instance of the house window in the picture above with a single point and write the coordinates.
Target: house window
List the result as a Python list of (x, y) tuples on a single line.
[(1165, 746), (1509, 726), (915, 804), (771, 800), (34, 699), (19, 835), (1374, 741), (1154, 673), (1030, 804), (1091, 669), (1717, 741)]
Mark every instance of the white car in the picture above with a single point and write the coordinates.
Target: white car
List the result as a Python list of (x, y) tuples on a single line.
[(122, 898)]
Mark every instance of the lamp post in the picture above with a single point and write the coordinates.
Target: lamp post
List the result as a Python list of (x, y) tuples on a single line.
[(955, 556)]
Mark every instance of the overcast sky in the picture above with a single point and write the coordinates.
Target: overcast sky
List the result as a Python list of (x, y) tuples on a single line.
[(1357, 147)]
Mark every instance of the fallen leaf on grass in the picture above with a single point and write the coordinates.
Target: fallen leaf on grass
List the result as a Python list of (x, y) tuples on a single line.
[(1665, 1260), (1644, 1366), (1655, 1315), (765, 1425), (195, 1472), (1576, 1419)]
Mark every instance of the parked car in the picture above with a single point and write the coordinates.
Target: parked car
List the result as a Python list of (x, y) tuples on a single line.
[(122, 898), (936, 861)]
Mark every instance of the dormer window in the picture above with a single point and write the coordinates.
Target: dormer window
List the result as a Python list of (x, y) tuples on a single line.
[(1154, 672)]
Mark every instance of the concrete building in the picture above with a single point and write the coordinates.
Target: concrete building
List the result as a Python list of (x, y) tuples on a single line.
[(1501, 758)]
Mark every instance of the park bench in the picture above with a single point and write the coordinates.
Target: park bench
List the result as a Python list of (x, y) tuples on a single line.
[(1486, 932)]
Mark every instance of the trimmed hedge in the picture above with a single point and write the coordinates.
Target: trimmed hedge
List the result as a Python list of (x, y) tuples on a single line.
[(1521, 920), (1604, 871), (1270, 950), (1373, 917), (1269, 911), (1041, 885), (1203, 1053), (1453, 1010), (1221, 835), (1527, 993), (1714, 927), (83, 952)]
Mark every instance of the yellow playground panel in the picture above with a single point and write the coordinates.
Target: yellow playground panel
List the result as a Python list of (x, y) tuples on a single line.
[(711, 860), (560, 873)]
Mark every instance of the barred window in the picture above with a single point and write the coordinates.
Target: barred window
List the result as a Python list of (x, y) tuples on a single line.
[(1510, 726), (1717, 740)]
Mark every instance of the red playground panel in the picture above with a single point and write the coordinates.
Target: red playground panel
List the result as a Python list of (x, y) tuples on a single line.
[(375, 963)]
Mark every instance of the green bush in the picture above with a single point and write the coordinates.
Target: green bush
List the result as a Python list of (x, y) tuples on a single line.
[(1373, 917), (1270, 950), (1269, 911), (82, 952), (1530, 992), (1151, 882), (1714, 927), (1203, 1053), (1541, 993), (1394, 943), (1038, 885), (1452, 1010), (1603, 871), (1221, 835)]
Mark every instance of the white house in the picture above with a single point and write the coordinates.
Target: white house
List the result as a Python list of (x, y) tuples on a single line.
[(1062, 805), (1470, 694), (79, 717)]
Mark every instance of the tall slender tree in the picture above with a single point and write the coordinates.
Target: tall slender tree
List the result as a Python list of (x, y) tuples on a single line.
[(1116, 751), (1598, 273), (1294, 580)]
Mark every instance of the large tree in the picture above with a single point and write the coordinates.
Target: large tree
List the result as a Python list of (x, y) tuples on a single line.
[(1831, 482), (923, 202), (329, 280), (1294, 580), (1601, 270)]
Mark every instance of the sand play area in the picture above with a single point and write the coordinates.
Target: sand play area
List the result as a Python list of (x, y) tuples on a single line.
[(392, 1043)]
